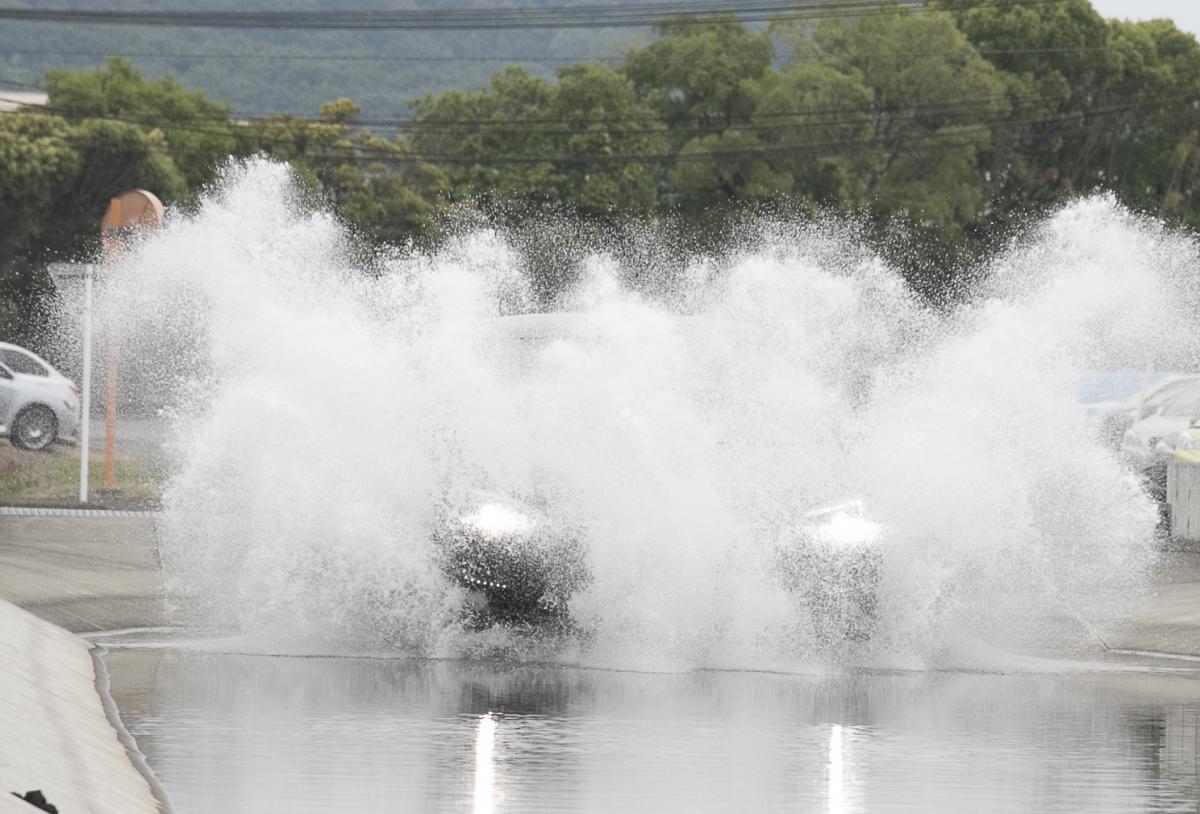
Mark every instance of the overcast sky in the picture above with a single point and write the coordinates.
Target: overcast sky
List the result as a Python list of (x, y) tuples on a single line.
[(1185, 13)]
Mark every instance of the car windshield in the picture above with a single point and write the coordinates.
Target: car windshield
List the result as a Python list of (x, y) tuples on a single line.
[(19, 362), (1168, 391), (1186, 403)]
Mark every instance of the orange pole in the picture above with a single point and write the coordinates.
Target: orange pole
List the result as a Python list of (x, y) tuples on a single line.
[(132, 212), (110, 418)]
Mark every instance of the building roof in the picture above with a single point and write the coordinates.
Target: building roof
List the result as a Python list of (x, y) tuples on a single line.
[(12, 100)]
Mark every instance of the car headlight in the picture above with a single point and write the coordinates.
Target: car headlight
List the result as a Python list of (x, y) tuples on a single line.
[(497, 520), (1186, 441), (842, 530), (842, 525)]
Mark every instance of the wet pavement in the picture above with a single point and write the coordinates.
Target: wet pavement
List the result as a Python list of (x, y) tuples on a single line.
[(229, 732)]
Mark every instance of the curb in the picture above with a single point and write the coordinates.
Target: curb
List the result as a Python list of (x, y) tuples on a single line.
[(35, 511)]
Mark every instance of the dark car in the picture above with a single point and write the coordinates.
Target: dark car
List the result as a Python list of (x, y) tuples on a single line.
[(518, 565), (831, 561)]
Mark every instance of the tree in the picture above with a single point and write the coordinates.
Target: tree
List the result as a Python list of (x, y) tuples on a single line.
[(700, 72), (1147, 146), (701, 76), (506, 120), (716, 171), (812, 119), (1095, 104), (527, 141), (375, 184), (196, 133), (931, 104), (56, 179), (603, 123)]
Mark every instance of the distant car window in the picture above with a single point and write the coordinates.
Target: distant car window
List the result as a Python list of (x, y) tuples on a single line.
[(1186, 403), (1116, 386), (1168, 391), (22, 363)]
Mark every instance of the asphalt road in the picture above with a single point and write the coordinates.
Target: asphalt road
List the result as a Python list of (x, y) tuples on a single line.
[(140, 438), (103, 573)]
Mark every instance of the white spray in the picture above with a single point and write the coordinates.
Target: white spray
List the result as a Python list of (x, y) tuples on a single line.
[(321, 412)]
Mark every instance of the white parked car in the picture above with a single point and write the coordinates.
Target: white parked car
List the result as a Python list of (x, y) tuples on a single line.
[(38, 405), (1115, 400), (1151, 441)]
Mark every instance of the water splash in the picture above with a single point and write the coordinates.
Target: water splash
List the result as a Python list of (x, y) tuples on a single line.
[(322, 412)]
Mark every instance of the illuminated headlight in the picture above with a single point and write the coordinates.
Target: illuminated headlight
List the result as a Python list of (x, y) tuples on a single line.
[(497, 520), (843, 530)]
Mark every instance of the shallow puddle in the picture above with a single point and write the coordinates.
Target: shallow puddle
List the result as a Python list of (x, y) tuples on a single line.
[(236, 733)]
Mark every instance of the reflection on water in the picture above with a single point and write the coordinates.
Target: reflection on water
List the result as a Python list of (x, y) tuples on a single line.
[(837, 800), (485, 745), (229, 733)]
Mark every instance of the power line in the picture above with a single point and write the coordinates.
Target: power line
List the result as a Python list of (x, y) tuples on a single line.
[(300, 57), (838, 148), (20, 84), (812, 118), (526, 58), (573, 125), (765, 151), (357, 154), (588, 16), (871, 108)]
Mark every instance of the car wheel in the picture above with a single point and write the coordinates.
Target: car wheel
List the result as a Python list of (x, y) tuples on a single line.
[(34, 428)]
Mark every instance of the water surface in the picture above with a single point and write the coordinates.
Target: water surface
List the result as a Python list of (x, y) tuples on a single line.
[(239, 733)]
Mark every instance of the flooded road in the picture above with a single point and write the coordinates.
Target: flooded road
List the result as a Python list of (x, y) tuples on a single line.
[(235, 733), (695, 426)]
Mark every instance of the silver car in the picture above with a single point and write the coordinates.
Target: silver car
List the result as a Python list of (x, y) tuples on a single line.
[(1114, 401), (1150, 442), (38, 405)]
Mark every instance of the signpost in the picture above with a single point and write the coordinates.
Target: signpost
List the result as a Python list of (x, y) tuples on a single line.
[(64, 276), (85, 409)]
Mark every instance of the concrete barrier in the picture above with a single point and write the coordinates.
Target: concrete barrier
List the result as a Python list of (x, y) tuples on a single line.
[(83, 572), (1183, 496), (57, 736)]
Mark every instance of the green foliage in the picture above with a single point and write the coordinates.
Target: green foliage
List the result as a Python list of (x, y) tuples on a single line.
[(723, 170), (700, 72), (197, 133), (944, 124), (813, 115), (540, 143), (1095, 105), (930, 104), (503, 123), (56, 178), (589, 99)]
